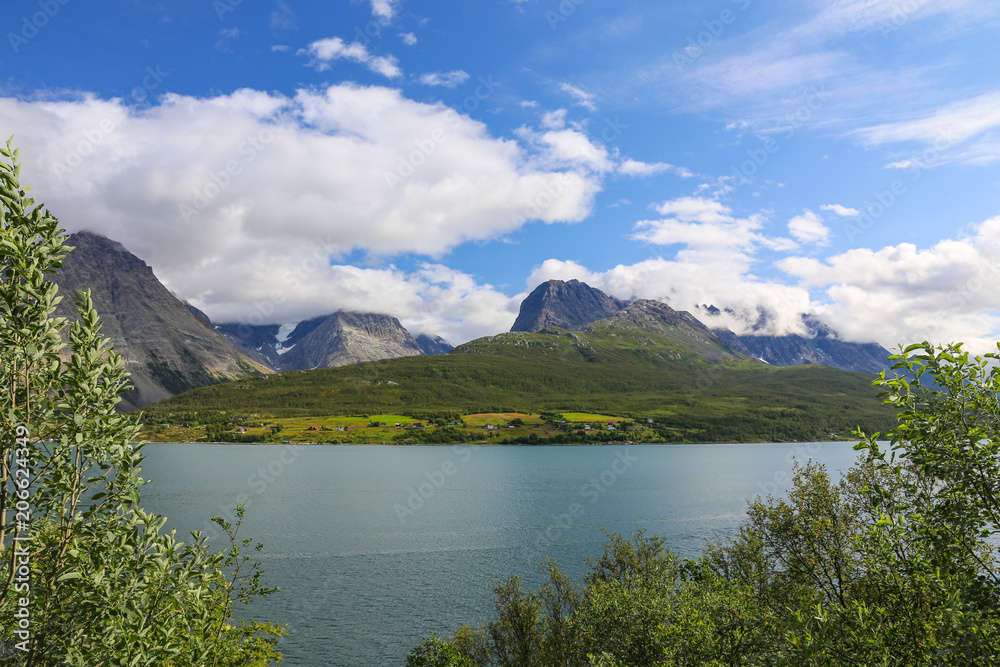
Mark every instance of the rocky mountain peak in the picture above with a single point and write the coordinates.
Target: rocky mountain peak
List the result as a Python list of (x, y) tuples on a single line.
[(167, 346), (344, 338), (567, 304)]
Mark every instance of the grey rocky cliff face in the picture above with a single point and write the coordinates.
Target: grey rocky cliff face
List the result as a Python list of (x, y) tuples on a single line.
[(567, 304), (166, 345), (795, 350), (345, 338), (259, 341)]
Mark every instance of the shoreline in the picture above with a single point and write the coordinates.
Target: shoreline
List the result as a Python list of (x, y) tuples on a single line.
[(490, 444)]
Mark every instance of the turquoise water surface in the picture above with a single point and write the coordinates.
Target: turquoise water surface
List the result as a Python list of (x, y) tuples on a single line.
[(376, 546)]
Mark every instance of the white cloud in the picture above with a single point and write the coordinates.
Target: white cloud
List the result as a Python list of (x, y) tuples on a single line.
[(408, 38), (688, 284), (528, 104), (644, 169), (895, 295), (842, 211), (446, 79), (334, 48), (568, 149), (975, 120), (943, 293), (229, 197), (554, 120), (580, 96), (432, 299), (279, 48), (384, 9), (808, 228)]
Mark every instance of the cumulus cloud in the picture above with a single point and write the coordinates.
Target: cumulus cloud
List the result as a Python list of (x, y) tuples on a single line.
[(709, 231), (644, 169), (808, 228), (408, 38), (446, 79), (943, 293), (217, 194), (567, 149), (893, 295), (432, 299), (384, 9), (323, 51), (554, 120), (686, 283), (842, 211)]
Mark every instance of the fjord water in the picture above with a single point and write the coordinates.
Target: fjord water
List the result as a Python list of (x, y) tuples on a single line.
[(376, 546)]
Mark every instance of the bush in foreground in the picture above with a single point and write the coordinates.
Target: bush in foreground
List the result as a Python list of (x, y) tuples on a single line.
[(87, 577), (895, 564)]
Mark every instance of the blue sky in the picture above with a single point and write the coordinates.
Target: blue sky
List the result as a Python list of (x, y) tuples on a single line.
[(277, 160)]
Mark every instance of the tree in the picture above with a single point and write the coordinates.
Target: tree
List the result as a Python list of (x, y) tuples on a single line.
[(894, 564), (87, 577)]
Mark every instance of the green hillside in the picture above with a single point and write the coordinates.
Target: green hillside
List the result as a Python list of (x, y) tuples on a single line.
[(640, 374)]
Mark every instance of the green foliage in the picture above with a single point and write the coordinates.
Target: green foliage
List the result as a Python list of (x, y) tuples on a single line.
[(690, 401), (101, 582), (433, 652), (894, 564)]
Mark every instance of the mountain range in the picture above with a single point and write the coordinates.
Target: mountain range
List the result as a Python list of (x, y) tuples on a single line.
[(573, 305), (170, 347)]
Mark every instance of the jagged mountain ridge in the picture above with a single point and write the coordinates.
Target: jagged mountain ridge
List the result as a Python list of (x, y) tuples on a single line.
[(167, 346), (568, 304), (324, 340), (574, 305), (822, 346)]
